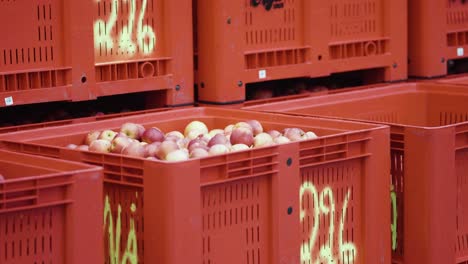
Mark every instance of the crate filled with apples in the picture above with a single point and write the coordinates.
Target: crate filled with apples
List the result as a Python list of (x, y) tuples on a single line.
[(196, 141), (249, 179)]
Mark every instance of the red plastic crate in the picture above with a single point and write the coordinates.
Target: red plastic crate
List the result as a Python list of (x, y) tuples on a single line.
[(248, 41), (44, 216), (75, 50), (438, 32), (457, 79), (243, 207), (429, 153)]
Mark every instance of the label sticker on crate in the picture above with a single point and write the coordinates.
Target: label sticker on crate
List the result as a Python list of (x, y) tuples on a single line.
[(262, 74), (9, 101), (460, 52)]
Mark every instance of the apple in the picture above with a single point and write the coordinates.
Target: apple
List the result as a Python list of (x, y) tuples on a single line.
[(132, 130), (198, 153), (152, 134), (242, 135), (177, 155), (91, 136), (228, 129), (218, 139), (119, 143), (309, 135), (71, 146), (218, 149), (195, 133), (152, 149), (294, 134), (100, 145), (165, 148), (2, 179), (175, 134), (214, 132), (83, 147), (242, 124), (281, 140), (239, 147), (107, 135), (152, 158), (263, 140), (197, 143), (195, 126), (134, 149), (274, 133), (257, 128)]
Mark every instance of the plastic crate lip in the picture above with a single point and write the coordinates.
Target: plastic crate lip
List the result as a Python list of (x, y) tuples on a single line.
[(134, 61), (248, 52), (340, 42), (291, 106), (80, 167)]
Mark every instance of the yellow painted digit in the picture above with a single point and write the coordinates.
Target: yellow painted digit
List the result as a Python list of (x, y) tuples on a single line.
[(145, 33), (326, 252), (307, 246), (393, 227), (131, 251), (347, 251), (103, 30), (345, 247)]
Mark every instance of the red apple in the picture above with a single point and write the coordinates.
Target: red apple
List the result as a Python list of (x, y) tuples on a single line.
[(119, 143), (177, 155), (132, 130), (71, 146), (91, 136), (239, 147), (243, 124), (152, 134), (228, 129), (274, 133), (198, 153), (294, 134), (257, 128), (309, 135), (263, 140), (176, 134), (242, 135), (83, 147), (100, 145), (197, 143), (134, 149), (107, 135), (214, 132), (281, 140), (152, 149), (218, 139), (166, 147), (218, 149), (195, 126), (152, 158)]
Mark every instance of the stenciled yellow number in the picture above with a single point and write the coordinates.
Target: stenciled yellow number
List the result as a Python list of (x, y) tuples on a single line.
[(324, 204), (130, 254), (145, 35)]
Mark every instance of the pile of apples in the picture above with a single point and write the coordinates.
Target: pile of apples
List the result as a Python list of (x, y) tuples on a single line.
[(196, 142)]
